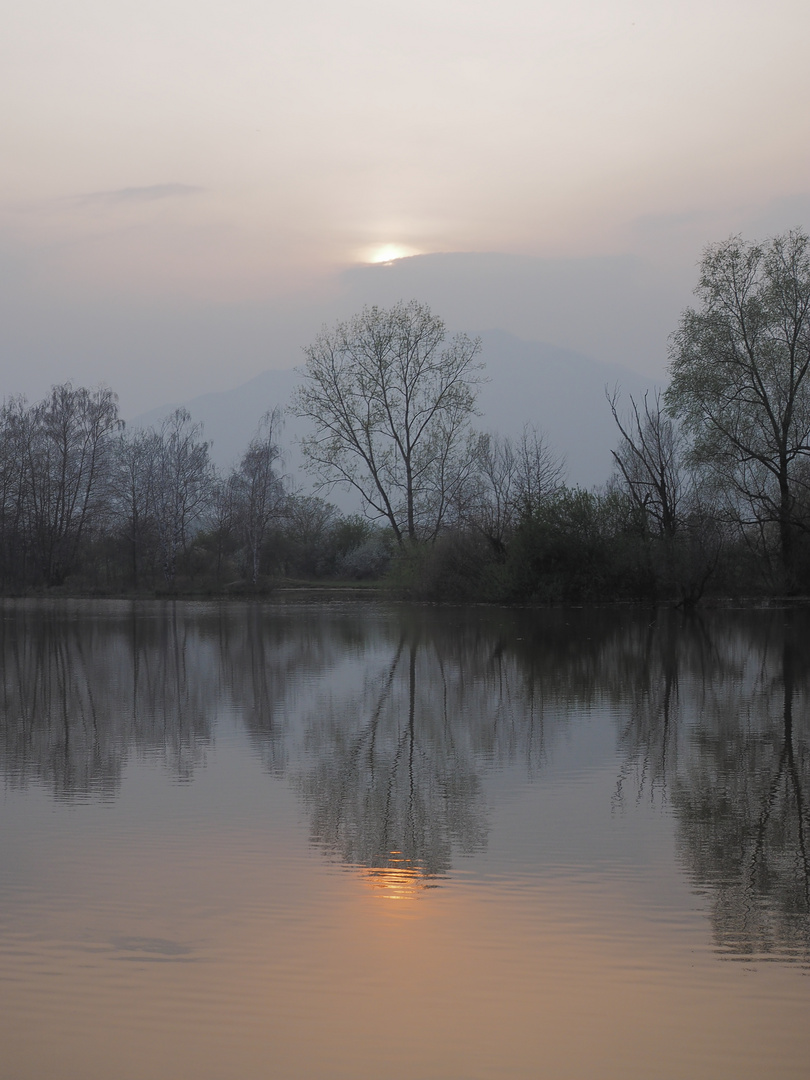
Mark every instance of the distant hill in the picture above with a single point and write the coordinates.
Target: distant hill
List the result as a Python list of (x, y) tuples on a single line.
[(231, 417), (614, 309), (560, 391)]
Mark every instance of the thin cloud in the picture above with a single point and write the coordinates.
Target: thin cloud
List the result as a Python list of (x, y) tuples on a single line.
[(130, 195)]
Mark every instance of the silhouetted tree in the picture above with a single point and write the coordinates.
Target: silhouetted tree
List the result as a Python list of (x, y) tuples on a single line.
[(391, 401), (649, 460), (184, 480), (511, 480), (15, 462), (135, 487), (257, 491), (70, 452), (740, 380)]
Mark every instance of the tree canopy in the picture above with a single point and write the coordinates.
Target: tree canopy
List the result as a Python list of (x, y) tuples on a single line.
[(739, 365)]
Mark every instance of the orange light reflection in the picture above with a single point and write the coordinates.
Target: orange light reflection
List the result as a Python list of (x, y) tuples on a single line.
[(399, 879)]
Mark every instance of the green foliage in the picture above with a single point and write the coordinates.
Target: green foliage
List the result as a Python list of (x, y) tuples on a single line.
[(573, 548), (456, 568), (314, 541)]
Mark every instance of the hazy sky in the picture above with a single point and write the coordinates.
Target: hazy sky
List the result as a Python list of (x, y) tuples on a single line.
[(184, 184)]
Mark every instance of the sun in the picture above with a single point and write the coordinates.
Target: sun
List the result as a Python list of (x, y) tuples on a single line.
[(388, 253)]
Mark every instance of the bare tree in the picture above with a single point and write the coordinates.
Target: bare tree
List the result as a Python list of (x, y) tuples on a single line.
[(15, 435), (512, 479), (184, 480), (69, 472), (539, 470), (675, 497), (649, 460), (391, 401), (135, 485), (221, 520), (257, 490)]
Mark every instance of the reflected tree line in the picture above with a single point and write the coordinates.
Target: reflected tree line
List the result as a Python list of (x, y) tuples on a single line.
[(79, 695), (386, 721), (722, 733), (392, 764)]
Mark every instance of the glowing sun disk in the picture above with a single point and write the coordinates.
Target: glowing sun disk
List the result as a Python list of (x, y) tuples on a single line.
[(387, 253)]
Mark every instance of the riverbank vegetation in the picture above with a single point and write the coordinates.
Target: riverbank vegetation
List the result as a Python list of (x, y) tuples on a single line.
[(710, 492)]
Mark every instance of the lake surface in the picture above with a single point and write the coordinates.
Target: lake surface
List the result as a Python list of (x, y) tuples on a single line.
[(360, 841)]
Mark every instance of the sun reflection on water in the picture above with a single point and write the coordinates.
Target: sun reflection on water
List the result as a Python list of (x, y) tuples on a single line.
[(398, 879)]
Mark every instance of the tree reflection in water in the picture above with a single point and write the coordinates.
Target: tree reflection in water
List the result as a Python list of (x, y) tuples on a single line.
[(79, 693), (723, 733), (392, 784), (393, 760), (387, 720)]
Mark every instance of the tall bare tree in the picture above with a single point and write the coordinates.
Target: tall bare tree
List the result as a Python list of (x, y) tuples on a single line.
[(257, 490), (391, 401), (135, 482), (649, 461), (183, 485)]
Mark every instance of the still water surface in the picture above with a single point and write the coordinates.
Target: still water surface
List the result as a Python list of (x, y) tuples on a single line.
[(362, 841)]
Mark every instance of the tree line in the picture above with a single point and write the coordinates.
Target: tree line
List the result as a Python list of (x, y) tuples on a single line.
[(709, 490), (89, 505)]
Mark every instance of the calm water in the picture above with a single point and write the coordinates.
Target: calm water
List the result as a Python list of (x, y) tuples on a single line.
[(357, 841)]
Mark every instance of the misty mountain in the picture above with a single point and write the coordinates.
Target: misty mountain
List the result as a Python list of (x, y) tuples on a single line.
[(618, 309), (558, 390), (562, 393), (154, 349)]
